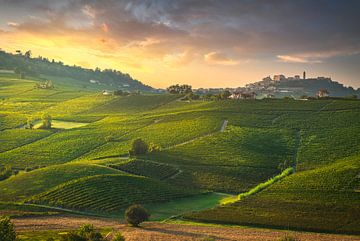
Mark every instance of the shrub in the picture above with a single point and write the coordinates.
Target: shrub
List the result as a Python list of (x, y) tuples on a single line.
[(86, 233), (7, 231), (118, 237), (139, 147), (46, 121), (136, 214)]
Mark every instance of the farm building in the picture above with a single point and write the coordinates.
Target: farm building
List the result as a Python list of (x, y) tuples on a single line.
[(238, 95), (322, 93), (107, 92)]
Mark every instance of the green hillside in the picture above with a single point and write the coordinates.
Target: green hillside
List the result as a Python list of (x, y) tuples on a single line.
[(109, 193), (26, 184), (66, 75), (82, 163)]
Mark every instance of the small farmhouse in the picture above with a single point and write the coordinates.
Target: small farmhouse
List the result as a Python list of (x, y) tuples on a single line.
[(322, 93), (239, 95)]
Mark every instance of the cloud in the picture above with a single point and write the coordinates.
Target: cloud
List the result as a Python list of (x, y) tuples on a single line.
[(219, 58), (316, 57), (179, 59), (295, 59), (12, 24)]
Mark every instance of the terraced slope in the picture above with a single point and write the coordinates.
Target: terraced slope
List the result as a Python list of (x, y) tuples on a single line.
[(147, 168), (323, 194), (26, 184), (323, 199), (109, 193), (230, 161)]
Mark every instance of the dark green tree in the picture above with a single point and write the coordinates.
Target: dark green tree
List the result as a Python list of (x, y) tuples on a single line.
[(136, 214), (7, 231), (138, 147)]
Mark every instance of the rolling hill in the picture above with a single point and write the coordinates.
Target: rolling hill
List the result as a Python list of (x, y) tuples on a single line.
[(229, 146)]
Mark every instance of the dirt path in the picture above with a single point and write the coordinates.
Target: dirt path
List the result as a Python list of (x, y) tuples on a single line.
[(166, 231), (223, 127)]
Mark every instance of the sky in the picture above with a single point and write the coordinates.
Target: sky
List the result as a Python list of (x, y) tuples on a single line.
[(204, 43)]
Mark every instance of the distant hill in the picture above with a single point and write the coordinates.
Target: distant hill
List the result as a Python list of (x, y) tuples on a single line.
[(309, 87), (299, 87), (40, 67)]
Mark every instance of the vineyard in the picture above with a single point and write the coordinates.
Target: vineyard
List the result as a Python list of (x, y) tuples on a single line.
[(82, 163), (109, 193)]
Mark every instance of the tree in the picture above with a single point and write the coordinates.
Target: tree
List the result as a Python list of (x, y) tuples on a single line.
[(179, 89), (7, 231), (225, 94), (46, 121), (28, 54), (136, 214), (139, 147), (29, 123)]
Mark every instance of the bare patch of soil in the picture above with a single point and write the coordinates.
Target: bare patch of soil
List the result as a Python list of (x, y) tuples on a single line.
[(166, 231)]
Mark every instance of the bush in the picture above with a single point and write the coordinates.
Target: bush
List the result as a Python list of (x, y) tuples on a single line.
[(7, 231), (85, 233), (136, 214), (118, 237), (139, 147)]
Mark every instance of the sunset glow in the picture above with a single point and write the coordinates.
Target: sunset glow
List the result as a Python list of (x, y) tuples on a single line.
[(202, 43)]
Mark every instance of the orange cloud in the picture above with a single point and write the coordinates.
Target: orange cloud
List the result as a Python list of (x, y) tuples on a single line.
[(219, 58), (104, 27)]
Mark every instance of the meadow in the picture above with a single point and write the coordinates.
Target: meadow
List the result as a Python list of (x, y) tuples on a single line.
[(82, 163)]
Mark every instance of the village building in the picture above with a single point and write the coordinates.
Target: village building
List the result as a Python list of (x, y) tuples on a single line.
[(322, 93), (107, 92), (238, 95)]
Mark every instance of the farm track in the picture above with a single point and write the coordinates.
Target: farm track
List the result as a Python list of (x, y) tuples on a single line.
[(169, 231), (326, 105), (222, 128)]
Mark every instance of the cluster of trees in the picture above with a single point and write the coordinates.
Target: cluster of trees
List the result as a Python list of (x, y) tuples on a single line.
[(26, 65), (179, 89), (190, 95), (223, 95), (140, 147)]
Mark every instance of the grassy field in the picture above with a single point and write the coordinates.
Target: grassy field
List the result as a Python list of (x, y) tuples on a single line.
[(82, 163)]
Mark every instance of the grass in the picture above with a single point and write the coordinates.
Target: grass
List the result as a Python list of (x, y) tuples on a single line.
[(177, 207), (258, 188), (59, 124)]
